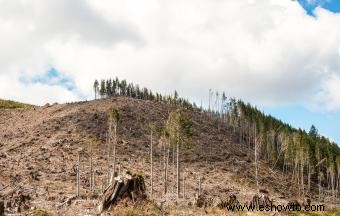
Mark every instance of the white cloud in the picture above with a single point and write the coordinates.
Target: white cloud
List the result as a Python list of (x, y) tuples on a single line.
[(329, 97), (35, 93), (265, 51)]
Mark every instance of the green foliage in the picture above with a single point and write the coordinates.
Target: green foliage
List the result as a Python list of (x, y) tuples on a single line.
[(114, 114), (8, 104), (115, 87), (281, 144), (178, 128), (186, 123)]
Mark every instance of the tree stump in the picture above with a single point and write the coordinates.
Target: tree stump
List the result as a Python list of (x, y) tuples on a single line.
[(231, 201), (2, 207), (123, 186), (261, 199)]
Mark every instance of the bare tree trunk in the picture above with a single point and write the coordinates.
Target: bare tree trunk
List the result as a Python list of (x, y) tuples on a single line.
[(166, 172), (338, 182), (114, 149), (78, 174), (108, 156), (255, 152), (319, 179), (209, 101), (332, 184), (199, 186), (93, 181), (173, 159), (309, 171), (91, 171), (151, 170), (302, 182), (164, 164), (184, 186), (178, 167)]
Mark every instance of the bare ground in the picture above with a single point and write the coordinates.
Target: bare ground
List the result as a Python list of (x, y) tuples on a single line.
[(39, 148)]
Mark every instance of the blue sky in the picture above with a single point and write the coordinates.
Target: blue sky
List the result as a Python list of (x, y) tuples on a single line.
[(310, 5), (328, 123), (51, 77)]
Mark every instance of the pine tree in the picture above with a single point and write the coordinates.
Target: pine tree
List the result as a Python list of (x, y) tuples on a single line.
[(102, 90), (109, 92), (95, 88)]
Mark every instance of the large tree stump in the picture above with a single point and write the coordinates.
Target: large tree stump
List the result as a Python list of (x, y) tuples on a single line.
[(124, 186)]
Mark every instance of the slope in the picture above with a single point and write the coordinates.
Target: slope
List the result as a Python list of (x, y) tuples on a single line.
[(39, 148)]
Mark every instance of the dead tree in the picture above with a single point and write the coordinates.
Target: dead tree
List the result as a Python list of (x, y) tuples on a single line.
[(166, 171), (93, 181), (255, 154), (164, 165), (178, 166), (184, 196), (78, 174), (113, 122), (199, 186), (91, 166), (108, 157), (151, 164), (91, 177), (114, 149)]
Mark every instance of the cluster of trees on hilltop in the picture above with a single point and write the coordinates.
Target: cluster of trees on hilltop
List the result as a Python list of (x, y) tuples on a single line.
[(307, 156), (115, 87)]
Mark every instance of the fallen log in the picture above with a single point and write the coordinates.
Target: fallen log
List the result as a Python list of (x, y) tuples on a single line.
[(123, 186)]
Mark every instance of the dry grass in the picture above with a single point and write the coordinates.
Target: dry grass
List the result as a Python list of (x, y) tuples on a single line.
[(8, 104), (39, 212), (46, 140)]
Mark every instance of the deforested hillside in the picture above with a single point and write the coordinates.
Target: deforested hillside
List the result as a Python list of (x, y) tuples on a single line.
[(194, 153)]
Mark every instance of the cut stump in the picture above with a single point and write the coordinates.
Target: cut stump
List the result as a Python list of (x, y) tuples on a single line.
[(124, 186)]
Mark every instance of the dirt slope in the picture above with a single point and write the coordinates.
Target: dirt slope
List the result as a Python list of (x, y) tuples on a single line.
[(39, 147)]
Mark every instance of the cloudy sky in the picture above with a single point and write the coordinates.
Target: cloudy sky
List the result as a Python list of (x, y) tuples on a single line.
[(281, 55)]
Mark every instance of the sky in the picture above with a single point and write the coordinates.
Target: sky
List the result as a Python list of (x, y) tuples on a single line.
[(282, 56)]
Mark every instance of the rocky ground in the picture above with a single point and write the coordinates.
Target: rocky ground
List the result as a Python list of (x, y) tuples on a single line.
[(39, 148)]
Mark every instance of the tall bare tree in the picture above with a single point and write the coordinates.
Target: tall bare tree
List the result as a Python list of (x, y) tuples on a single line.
[(78, 175), (151, 160), (255, 159), (113, 122)]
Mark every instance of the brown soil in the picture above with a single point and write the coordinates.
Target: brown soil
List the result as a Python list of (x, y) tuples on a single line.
[(39, 147)]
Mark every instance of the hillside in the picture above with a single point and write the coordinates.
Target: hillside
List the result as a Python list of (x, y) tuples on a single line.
[(9, 104), (40, 145)]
